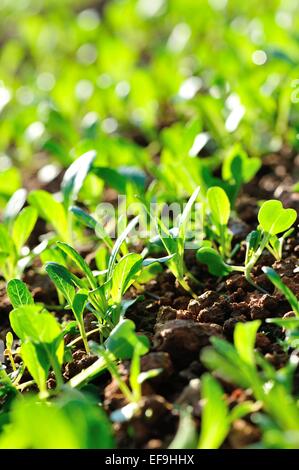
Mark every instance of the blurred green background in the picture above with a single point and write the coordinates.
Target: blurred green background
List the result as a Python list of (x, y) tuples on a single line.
[(79, 74)]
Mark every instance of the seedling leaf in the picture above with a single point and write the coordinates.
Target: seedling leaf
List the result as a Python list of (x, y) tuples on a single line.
[(50, 210), (214, 261), (18, 293), (124, 274), (279, 284), (23, 226), (219, 205), (74, 177), (274, 218), (215, 421), (62, 280)]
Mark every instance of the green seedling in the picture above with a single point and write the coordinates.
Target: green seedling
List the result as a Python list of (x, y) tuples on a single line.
[(285, 290), (237, 169), (273, 219), (9, 350), (15, 230), (291, 324), (132, 391), (101, 292), (41, 337), (72, 419), (19, 293), (76, 301), (216, 418), (41, 343), (243, 366), (219, 213), (275, 244), (57, 213), (120, 345), (173, 240), (215, 422)]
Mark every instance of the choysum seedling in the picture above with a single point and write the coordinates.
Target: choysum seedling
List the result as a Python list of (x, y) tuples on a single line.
[(217, 228), (290, 324), (57, 213), (243, 366), (273, 219), (42, 345), (133, 392), (15, 230), (101, 292), (173, 241), (216, 417)]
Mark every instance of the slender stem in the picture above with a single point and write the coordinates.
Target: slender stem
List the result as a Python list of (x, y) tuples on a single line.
[(19, 376), (24, 385), (10, 356), (88, 333), (273, 252), (57, 371), (84, 337), (240, 269), (111, 366), (253, 260), (88, 374)]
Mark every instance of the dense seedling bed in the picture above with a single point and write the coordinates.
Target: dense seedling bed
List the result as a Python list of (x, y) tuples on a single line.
[(149, 273)]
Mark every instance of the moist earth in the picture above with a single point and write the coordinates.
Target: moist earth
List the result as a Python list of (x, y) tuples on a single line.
[(179, 327)]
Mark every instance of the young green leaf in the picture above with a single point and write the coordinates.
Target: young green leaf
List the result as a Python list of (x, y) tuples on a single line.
[(184, 217), (74, 177), (83, 217), (79, 304), (124, 274), (14, 205), (42, 341), (80, 262), (28, 322), (112, 177), (219, 205), (62, 279), (223, 359), (214, 261), (244, 338), (123, 339), (78, 307), (6, 246), (274, 219), (18, 293), (49, 424), (37, 364), (215, 422), (9, 340), (118, 244), (279, 284), (186, 435), (51, 211), (164, 259), (23, 226)]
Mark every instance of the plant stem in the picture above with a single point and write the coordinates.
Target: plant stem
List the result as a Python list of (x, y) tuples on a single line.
[(57, 371), (88, 333), (84, 337), (24, 385), (10, 356)]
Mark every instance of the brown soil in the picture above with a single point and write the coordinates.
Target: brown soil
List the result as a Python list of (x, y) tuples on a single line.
[(179, 327)]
